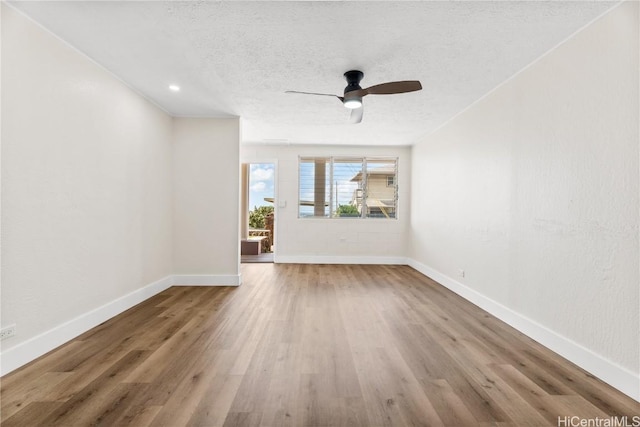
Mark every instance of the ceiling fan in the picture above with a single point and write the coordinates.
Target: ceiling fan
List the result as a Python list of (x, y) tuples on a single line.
[(353, 93)]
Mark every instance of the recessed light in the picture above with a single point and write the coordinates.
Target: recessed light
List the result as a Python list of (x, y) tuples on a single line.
[(174, 88)]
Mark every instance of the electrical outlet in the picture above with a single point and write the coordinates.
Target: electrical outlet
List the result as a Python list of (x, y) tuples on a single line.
[(461, 273), (7, 332)]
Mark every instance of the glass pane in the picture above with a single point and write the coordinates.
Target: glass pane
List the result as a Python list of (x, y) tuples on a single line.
[(314, 190), (381, 188), (347, 188)]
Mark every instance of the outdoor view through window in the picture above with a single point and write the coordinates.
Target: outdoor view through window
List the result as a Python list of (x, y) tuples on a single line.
[(261, 205), (347, 187)]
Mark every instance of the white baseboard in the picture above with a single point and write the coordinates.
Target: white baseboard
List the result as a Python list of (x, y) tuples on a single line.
[(207, 280), (609, 372), (25, 352), (617, 376), (337, 259)]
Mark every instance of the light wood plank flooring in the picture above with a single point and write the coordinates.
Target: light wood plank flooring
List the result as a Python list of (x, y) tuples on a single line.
[(306, 345)]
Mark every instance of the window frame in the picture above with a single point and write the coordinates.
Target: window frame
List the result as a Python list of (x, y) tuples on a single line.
[(393, 180), (363, 188)]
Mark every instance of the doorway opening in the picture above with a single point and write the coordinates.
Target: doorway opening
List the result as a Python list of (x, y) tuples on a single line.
[(258, 237)]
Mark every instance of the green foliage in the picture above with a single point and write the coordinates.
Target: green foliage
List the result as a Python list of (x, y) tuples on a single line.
[(348, 210), (257, 216)]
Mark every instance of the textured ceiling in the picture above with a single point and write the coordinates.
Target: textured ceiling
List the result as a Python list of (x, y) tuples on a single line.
[(238, 58)]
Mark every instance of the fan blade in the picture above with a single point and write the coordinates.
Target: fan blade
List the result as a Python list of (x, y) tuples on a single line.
[(356, 115), (390, 88), (313, 93)]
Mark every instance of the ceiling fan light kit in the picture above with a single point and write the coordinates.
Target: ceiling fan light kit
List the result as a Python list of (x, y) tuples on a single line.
[(353, 93), (353, 102)]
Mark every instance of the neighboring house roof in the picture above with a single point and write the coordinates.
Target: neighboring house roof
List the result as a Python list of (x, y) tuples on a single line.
[(376, 171)]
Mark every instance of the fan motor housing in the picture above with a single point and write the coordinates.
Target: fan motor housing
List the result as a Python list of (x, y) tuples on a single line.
[(353, 80)]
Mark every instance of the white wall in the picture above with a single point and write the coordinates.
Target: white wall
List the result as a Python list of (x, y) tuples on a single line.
[(350, 240), (91, 222), (534, 192), (86, 187), (206, 221)]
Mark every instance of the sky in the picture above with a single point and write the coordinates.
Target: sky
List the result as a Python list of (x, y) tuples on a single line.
[(261, 178), (261, 183)]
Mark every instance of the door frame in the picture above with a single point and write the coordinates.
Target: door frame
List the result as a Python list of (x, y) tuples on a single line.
[(276, 210)]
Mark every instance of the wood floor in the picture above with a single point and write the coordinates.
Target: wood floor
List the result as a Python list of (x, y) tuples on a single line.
[(306, 345)]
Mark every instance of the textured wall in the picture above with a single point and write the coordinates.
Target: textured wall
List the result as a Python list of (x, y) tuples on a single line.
[(86, 183), (533, 191), (307, 237), (206, 196)]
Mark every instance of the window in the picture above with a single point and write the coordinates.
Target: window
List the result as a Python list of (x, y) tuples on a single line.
[(347, 187)]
